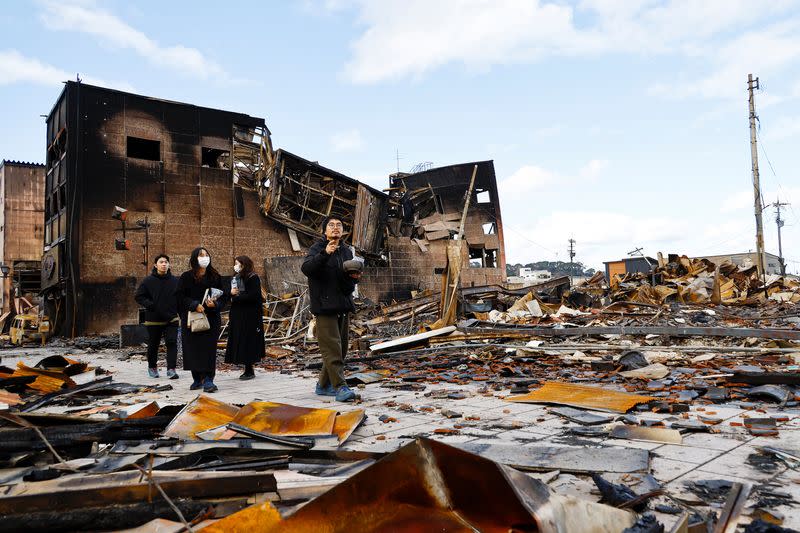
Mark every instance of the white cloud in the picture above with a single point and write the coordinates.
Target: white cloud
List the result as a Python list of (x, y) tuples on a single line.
[(529, 178), (17, 68), (347, 141), (745, 200), (600, 235), (526, 179), (410, 38), (90, 19), (593, 169), (761, 52)]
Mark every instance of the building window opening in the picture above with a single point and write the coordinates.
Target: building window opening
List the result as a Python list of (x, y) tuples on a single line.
[(489, 228), (476, 257), (214, 158), (144, 149), (482, 258), (483, 197)]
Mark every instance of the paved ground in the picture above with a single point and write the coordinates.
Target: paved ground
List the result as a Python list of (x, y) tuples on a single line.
[(726, 454)]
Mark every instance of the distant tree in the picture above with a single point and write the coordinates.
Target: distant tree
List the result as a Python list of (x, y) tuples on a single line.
[(556, 268)]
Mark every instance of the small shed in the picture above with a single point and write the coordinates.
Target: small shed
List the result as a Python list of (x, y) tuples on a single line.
[(629, 265)]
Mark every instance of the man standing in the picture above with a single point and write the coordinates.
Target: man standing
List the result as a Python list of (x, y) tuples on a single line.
[(332, 277), (157, 295)]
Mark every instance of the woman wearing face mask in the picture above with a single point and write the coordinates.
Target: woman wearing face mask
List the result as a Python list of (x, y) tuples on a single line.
[(200, 348), (246, 327)]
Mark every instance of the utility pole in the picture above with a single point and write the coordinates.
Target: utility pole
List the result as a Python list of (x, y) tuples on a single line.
[(779, 221), (571, 252), (758, 204)]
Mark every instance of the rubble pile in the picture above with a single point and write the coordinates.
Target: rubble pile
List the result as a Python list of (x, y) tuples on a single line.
[(680, 279), (554, 408)]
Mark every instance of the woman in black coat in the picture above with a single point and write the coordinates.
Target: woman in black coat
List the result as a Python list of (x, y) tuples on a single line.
[(200, 348), (246, 327)]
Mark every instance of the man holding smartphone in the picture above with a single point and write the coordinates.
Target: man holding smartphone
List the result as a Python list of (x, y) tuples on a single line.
[(332, 276)]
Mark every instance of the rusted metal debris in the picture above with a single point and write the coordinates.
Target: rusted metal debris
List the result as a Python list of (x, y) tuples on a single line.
[(427, 485), (583, 396), (201, 414), (205, 418)]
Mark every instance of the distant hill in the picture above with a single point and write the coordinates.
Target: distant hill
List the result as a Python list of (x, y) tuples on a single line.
[(556, 268)]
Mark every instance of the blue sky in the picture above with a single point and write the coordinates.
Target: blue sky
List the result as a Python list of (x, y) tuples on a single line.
[(619, 123)]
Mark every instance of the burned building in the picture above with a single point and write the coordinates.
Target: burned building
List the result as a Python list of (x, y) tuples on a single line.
[(185, 176), (21, 230), (406, 247), (182, 173), (430, 205)]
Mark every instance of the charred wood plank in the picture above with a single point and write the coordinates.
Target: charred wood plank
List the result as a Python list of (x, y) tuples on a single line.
[(111, 518), (27, 439), (132, 488)]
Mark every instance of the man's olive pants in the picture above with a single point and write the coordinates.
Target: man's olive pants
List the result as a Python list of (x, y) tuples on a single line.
[(332, 336)]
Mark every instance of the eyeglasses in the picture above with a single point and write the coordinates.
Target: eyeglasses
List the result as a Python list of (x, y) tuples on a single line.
[(335, 225)]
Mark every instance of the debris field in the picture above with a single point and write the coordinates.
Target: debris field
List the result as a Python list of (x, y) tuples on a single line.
[(667, 401)]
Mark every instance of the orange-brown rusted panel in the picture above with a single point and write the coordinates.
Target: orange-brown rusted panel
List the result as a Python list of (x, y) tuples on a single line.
[(9, 398), (583, 396), (287, 420), (24, 370), (145, 412), (346, 423), (200, 414), (44, 383), (259, 517)]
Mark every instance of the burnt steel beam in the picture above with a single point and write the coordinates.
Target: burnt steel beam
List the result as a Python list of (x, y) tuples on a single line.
[(672, 331)]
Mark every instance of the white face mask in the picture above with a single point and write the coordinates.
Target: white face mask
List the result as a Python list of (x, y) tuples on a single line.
[(237, 268), (204, 261)]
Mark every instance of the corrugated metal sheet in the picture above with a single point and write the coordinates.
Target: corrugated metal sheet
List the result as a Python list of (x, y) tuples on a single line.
[(583, 396)]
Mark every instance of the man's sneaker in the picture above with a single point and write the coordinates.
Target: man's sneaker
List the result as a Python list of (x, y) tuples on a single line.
[(152, 372), (196, 385), (344, 394), (324, 391), (171, 374), (208, 386)]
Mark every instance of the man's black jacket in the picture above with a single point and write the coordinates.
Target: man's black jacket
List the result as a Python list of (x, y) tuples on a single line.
[(331, 289), (157, 295)]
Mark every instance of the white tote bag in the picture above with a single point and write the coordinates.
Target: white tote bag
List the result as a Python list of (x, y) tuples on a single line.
[(197, 321)]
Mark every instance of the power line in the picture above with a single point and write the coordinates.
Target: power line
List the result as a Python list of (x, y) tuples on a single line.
[(774, 174)]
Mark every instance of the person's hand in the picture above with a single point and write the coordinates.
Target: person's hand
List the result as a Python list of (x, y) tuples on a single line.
[(210, 303), (199, 308), (234, 292), (355, 275), (332, 246)]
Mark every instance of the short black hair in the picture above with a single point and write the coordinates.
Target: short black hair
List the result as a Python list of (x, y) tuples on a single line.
[(328, 219), (159, 256)]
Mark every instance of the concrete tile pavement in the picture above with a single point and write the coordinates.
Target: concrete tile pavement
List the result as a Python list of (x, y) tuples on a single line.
[(723, 454)]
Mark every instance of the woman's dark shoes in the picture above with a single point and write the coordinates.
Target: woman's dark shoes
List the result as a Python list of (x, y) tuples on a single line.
[(247, 376)]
